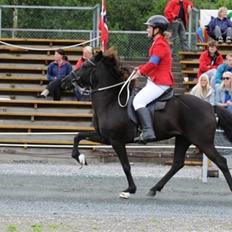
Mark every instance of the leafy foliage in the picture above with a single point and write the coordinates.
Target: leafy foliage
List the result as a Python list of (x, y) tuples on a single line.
[(122, 15)]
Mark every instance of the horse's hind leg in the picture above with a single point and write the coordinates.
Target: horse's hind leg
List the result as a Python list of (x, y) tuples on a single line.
[(220, 161), (181, 146)]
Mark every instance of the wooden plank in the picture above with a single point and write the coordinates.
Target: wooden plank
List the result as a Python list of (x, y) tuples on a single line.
[(189, 62), (21, 90), (45, 141), (22, 67), (194, 82), (219, 45), (44, 114), (46, 102), (23, 78), (198, 53), (34, 57), (30, 127), (189, 71), (28, 47), (39, 40)]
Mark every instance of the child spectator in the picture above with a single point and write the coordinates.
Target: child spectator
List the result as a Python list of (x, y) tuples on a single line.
[(209, 61), (224, 92), (220, 28), (203, 89)]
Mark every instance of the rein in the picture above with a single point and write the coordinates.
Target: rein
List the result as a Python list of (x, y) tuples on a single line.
[(125, 84), (107, 87)]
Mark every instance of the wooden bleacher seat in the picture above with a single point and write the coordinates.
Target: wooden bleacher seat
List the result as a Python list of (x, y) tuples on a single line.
[(23, 77)]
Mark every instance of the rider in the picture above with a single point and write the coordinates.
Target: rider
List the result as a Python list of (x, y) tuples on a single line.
[(158, 71)]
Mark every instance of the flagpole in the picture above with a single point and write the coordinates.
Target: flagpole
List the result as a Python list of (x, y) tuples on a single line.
[(103, 27)]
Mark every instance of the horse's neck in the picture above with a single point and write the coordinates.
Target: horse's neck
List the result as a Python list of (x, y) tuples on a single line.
[(106, 100)]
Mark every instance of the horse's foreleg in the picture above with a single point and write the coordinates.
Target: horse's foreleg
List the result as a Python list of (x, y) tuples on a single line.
[(181, 146), (92, 136), (220, 161), (120, 149)]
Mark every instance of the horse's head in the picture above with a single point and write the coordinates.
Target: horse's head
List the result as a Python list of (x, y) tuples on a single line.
[(99, 71)]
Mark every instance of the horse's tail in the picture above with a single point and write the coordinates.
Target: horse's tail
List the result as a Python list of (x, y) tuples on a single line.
[(225, 121)]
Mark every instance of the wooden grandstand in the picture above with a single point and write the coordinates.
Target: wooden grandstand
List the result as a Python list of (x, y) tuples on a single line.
[(22, 78)]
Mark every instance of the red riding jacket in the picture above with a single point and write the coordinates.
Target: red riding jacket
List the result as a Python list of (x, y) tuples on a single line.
[(172, 9), (159, 66), (206, 62), (79, 63)]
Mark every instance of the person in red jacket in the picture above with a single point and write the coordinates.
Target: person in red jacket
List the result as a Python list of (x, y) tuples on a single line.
[(158, 71), (177, 12), (209, 61), (83, 93), (86, 54)]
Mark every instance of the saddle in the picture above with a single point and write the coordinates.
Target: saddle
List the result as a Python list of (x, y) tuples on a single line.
[(156, 105)]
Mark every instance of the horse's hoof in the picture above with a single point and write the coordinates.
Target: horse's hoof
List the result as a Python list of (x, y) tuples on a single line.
[(82, 160), (151, 193), (124, 195)]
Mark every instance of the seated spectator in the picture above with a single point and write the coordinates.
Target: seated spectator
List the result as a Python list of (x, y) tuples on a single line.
[(209, 61), (224, 92), (220, 28), (57, 70), (203, 89), (227, 66), (83, 93)]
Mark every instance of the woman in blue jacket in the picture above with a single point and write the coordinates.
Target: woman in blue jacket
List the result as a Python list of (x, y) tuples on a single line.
[(57, 70), (220, 28)]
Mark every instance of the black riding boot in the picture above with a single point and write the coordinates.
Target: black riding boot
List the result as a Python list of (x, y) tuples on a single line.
[(146, 123)]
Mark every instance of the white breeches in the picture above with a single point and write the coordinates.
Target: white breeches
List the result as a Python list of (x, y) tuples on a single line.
[(148, 93)]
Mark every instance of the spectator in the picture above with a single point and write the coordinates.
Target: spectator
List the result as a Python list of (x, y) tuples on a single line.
[(223, 68), (203, 89), (177, 12), (57, 70), (220, 28), (83, 93), (209, 61), (224, 92)]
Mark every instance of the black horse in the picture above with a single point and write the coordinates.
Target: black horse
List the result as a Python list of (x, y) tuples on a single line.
[(187, 118)]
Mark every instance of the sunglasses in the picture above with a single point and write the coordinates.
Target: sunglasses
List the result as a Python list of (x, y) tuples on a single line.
[(225, 78)]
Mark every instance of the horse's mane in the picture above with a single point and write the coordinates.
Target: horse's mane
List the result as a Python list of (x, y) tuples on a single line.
[(122, 71)]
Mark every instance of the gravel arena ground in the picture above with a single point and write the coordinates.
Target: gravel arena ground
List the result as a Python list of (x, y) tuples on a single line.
[(54, 195)]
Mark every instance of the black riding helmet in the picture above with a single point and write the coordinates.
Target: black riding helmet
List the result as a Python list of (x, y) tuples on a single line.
[(158, 21)]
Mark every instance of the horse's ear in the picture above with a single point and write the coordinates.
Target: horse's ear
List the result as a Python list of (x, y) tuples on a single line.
[(98, 56), (111, 53)]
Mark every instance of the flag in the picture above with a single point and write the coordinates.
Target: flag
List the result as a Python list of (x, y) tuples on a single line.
[(103, 26)]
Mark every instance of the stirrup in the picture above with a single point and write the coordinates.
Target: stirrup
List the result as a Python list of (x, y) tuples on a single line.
[(142, 140)]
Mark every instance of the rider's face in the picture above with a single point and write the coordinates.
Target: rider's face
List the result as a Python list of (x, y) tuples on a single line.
[(151, 31)]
